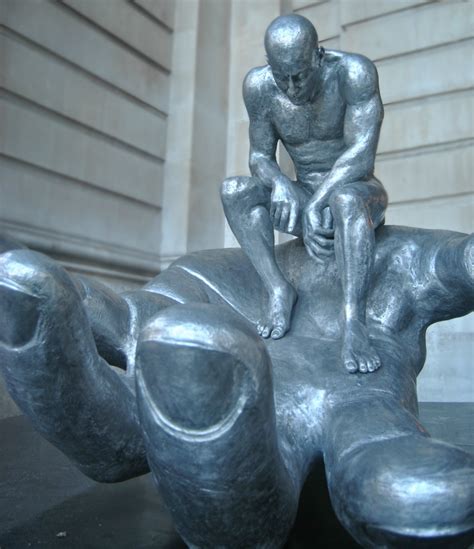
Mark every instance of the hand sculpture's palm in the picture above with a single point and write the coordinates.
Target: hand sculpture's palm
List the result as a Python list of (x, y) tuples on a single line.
[(231, 426)]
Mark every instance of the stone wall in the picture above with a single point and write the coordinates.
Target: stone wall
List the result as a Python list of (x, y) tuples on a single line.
[(120, 119), (196, 149), (84, 97), (84, 102)]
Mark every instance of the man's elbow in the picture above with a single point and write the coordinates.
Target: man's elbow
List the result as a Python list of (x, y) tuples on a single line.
[(253, 164), (256, 160)]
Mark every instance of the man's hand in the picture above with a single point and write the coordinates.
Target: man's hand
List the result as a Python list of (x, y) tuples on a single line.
[(318, 232), (284, 206)]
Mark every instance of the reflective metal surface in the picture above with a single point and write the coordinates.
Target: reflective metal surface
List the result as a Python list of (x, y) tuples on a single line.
[(176, 377), (325, 108), (232, 424)]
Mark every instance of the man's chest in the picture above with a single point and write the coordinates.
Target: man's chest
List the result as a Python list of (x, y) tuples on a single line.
[(321, 120)]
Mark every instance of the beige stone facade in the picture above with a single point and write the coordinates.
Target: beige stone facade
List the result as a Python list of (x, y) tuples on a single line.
[(119, 120)]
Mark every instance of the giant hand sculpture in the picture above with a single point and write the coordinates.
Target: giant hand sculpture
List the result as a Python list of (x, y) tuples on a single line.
[(175, 378)]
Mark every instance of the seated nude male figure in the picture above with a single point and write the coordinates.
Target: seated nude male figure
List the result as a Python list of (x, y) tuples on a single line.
[(325, 108)]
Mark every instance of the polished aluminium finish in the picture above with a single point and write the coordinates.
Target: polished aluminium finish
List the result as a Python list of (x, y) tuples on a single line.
[(232, 424), (176, 378), (325, 108)]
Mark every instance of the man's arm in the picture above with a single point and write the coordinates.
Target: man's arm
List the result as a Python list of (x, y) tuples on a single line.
[(262, 135), (363, 119), (262, 161)]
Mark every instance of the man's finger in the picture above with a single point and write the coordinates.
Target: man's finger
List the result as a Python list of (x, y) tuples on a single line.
[(285, 212), (310, 245), (318, 250), (327, 219), (277, 215), (272, 210), (311, 252), (328, 233), (293, 218), (322, 252), (327, 243)]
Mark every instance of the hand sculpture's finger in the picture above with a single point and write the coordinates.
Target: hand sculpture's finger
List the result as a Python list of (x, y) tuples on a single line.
[(228, 367), (106, 443)]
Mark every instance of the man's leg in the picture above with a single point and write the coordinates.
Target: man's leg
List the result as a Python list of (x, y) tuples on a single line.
[(357, 210), (206, 404), (246, 205), (390, 484)]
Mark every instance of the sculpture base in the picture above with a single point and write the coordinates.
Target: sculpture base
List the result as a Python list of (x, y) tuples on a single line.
[(46, 502)]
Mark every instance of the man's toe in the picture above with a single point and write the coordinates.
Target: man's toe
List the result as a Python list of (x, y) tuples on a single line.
[(351, 365), (278, 332), (371, 365)]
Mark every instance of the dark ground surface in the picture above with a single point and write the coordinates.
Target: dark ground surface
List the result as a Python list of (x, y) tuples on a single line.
[(45, 502)]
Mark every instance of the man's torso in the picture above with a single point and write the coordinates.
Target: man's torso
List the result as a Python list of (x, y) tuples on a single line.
[(313, 134)]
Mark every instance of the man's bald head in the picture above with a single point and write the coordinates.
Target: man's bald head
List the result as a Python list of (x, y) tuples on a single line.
[(291, 39), (291, 42)]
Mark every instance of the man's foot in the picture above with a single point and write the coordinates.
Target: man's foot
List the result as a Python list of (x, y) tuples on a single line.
[(358, 355), (280, 306)]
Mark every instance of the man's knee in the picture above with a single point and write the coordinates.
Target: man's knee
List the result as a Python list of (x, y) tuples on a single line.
[(235, 188), (347, 201)]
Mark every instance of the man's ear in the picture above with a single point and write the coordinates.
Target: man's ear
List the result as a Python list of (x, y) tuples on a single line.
[(321, 52), (318, 54)]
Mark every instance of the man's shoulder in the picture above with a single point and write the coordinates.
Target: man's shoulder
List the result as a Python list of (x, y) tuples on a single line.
[(357, 73), (258, 83)]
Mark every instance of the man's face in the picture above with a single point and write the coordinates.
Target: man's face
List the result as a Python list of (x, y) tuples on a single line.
[(295, 75)]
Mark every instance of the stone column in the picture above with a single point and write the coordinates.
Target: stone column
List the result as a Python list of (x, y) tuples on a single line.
[(248, 23), (178, 166)]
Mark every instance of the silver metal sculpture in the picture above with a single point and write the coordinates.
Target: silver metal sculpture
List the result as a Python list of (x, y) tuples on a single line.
[(325, 107), (175, 377)]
